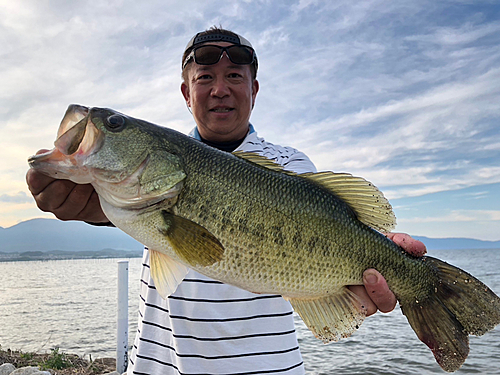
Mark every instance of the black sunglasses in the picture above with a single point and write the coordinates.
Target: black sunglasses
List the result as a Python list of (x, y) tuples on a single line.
[(209, 54)]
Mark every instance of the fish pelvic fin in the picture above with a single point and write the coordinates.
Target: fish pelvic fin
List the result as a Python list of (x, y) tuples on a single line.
[(167, 273), (332, 317), (192, 243), (460, 306)]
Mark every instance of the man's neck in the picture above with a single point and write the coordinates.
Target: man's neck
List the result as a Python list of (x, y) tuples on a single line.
[(223, 146)]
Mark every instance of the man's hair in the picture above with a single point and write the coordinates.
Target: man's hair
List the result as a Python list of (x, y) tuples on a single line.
[(211, 31)]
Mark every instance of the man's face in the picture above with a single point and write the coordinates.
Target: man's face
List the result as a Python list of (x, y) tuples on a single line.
[(221, 97)]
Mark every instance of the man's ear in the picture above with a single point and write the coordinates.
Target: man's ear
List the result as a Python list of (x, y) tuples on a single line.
[(255, 90), (186, 94)]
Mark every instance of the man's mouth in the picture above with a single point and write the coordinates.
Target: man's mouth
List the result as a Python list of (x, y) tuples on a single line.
[(222, 110)]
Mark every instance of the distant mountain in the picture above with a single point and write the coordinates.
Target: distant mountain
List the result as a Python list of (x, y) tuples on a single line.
[(457, 243), (50, 234)]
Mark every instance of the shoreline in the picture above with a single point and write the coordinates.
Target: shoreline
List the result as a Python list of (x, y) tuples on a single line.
[(58, 363), (27, 256)]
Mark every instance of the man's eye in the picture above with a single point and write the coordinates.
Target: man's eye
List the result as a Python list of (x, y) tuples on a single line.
[(234, 75), (205, 76)]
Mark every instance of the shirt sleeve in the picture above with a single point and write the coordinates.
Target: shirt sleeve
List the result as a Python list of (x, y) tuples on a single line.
[(299, 163)]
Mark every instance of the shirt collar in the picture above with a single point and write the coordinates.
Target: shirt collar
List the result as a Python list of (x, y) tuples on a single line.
[(196, 134)]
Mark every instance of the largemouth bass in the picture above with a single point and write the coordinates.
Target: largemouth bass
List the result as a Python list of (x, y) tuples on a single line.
[(241, 219)]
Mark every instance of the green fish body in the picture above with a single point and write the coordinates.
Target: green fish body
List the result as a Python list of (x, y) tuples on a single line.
[(240, 219)]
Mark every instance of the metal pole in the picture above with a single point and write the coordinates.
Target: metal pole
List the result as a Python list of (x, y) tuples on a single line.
[(122, 318)]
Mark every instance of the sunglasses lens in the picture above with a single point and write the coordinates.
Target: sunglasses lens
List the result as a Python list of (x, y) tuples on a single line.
[(207, 55), (240, 55)]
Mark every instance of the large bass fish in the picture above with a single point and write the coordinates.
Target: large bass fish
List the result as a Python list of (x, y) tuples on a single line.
[(241, 219)]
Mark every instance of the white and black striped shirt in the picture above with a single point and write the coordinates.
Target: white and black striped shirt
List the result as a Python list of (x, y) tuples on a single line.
[(207, 327)]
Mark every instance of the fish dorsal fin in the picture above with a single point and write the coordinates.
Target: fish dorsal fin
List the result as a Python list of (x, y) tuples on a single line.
[(364, 198), (368, 202), (259, 160)]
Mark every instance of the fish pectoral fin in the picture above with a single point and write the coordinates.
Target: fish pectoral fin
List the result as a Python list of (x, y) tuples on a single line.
[(192, 243), (331, 317), (167, 273)]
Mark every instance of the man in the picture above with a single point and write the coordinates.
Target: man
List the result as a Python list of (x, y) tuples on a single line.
[(207, 327)]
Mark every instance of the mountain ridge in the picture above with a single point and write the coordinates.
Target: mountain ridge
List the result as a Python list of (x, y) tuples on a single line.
[(51, 234)]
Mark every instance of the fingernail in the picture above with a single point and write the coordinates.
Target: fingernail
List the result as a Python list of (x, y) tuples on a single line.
[(371, 278)]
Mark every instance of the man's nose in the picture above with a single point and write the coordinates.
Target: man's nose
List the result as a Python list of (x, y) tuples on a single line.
[(220, 88)]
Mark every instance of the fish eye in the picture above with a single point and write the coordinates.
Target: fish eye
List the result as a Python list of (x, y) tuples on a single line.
[(115, 123)]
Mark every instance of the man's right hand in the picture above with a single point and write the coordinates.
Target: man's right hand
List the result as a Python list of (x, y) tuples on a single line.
[(65, 199)]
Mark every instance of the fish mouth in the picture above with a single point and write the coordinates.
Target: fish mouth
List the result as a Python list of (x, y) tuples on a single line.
[(72, 129), (77, 137)]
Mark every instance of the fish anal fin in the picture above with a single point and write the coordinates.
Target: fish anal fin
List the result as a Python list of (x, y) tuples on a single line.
[(364, 198), (332, 317), (192, 243), (167, 273)]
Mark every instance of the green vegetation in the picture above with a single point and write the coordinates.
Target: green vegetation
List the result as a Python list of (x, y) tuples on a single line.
[(57, 362)]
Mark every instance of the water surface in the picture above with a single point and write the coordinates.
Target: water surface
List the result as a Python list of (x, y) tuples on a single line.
[(71, 304)]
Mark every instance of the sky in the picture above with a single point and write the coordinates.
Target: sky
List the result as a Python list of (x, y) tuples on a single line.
[(403, 93)]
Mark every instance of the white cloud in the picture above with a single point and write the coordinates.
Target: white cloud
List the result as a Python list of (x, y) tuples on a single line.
[(20, 197), (458, 216), (452, 36)]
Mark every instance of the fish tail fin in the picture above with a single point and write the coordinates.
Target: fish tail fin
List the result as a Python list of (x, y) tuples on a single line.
[(460, 306)]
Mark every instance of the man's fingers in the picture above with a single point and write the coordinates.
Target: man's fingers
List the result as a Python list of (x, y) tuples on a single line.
[(378, 291), (409, 244), (366, 302), (75, 202), (92, 212), (53, 196), (37, 181)]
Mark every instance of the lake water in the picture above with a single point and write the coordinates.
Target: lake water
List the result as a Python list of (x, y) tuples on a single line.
[(71, 304)]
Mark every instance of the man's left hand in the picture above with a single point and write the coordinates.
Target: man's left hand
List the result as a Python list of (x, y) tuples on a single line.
[(375, 293)]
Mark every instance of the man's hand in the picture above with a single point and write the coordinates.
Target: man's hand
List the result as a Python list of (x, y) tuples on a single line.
[(65, 199), (375, 293)]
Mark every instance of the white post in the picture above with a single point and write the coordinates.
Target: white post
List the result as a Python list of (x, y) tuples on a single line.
[(122, 318)]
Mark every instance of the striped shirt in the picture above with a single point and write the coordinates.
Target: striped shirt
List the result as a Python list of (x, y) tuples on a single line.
[(207, 327)]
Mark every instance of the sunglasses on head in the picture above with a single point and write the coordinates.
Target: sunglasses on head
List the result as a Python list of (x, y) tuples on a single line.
[(209, 54)]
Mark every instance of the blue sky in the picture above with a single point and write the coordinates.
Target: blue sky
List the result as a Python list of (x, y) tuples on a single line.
[(405, 94)]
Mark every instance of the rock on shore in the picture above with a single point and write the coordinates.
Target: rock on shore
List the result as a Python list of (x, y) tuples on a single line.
[(10, 369)]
